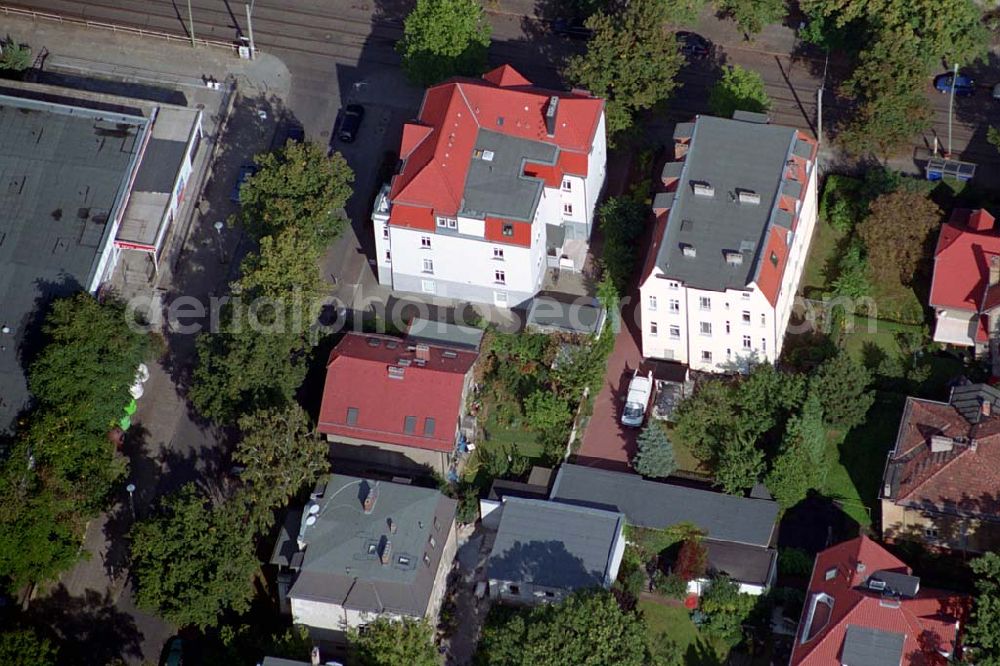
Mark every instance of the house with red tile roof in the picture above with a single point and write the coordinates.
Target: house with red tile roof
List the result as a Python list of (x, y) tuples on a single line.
[(498, 183), (942, 479), (864, 607), (965, 289), (732, 231), (396, 404)]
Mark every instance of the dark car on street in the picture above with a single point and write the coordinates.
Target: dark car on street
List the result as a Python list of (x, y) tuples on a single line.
[(294, 133), (246, 171), (350, 123), (574, 28), (964, 85), (693, 45)]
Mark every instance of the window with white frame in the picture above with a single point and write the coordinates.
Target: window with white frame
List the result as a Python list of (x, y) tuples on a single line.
[(763, 319), (500, 277), (675, 332), (672, 284), (651, 301), (507, 230), (385, 231), (447, 222), (388, 256), (567, 185), (567, 209), (428, 265), (931, 532), (654, 328), (746, 295), (675, 305), (728, 327), (746, 317), (425, 242), (763, 345), (706, 328), (747, 344), (704, 302), (427, 286), (706, 356), (498, 253)]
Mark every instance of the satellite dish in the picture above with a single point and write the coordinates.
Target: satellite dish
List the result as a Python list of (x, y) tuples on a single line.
[(311, 520), (313, 509)]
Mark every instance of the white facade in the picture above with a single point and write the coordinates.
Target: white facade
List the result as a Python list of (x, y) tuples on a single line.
[(457, 261), (716, 331)]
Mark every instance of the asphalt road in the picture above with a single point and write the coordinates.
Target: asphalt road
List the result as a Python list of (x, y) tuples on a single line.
[(318, 38)]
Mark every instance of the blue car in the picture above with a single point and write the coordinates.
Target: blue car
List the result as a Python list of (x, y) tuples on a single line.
[(964, 85), (246, 171)]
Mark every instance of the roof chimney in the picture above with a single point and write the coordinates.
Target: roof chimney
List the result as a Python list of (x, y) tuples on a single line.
[(703, 189), (985, 407), (550, 116), (995, 269), (423, 353), (369, 496), (385, 552), (392, 525)]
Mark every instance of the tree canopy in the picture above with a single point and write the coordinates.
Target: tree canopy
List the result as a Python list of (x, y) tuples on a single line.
[(588, 628), (631, 61), (444, 38), (842, 386), (984, 629), (896, 233), (14, 57), (300, 186), (726, 608), (655, 455), (192, 561), (389, 642), (739, 89), (24, 647), (281, 454), (799, 465), (752, 15)]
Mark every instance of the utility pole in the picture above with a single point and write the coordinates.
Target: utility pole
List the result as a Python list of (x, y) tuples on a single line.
[(951, 104), (190, 23), (249, 9)]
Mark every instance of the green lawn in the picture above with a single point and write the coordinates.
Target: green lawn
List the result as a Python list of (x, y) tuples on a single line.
[(676, 624), (822, 256), (686, 462)]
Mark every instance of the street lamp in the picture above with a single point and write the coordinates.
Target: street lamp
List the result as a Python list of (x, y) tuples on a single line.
[(131, 502), (219, 226)]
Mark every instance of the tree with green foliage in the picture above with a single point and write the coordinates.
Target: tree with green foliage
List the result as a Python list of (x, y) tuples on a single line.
[(256, 361), (193, 561), (14, 57), (740, 465), (842, 387), (726, 609), (588, 628), (852, 279), (622, 221), (444, 38), (285, 268), (993, 136), (297, 186), (655, 455), (281, 454), (739, 89), (800, 463), (896, 234), (630, 62), (388, 642), (983, 632), (88, 362), (683, 12), (707, 417), (752, 15), (550, 417), (24, 647)]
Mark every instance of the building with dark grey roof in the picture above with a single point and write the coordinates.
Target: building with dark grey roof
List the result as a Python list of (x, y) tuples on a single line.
[(733, 224), (87, 177), (545, 550), (363, 549), (738, 531)]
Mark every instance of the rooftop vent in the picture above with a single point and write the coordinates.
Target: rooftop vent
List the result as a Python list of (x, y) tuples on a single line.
[(374, 342), (385, 552), (748, 197), (550, 115), (395, 372), (689, 251), (403, 362), (391, 344), (876, 584), (734, 258), (860, 567), (941, 444), (703, 189), (449, 354), (488, 155), (391, 524), (369, 496), (423, 352)]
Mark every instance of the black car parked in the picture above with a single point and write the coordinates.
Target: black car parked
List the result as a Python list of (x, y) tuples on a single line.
[(351, 122), (693, 45)]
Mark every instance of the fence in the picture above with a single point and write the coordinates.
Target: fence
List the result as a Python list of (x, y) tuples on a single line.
[(100, 25)]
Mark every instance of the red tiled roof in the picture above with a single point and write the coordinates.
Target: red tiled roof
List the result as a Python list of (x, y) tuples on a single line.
[(927, 621), (436, 161), (961, 479), (961, 261), (357, 376)]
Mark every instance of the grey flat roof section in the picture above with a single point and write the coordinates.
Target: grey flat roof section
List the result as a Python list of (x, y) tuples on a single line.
[(62, 170), (444, 334), (899, 584), (565, 312), (160, 165), (658, 505), (278, 661), (746, 564), (730, 155), (968, 399), (871, 647), (553, 544), (339, 567), (498, 187)]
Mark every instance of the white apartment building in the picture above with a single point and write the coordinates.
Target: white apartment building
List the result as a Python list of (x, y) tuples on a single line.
[(498, 183), (732, 233)]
